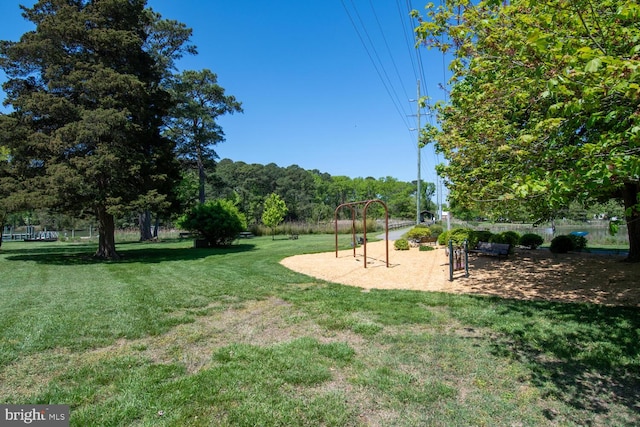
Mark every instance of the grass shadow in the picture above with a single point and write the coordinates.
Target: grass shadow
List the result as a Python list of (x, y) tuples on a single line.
[(134, 253), (585, 355)]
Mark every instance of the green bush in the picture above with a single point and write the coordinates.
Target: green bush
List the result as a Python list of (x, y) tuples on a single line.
[(219, 222), (418, 232), (426, 248), (561, 244), (443, 238), (458, 236), (401, 245), (531, 240), (483, 235), (436, 230), (579, 242), (509, 237)]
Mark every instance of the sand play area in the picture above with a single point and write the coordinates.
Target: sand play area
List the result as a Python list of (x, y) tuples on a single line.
[(527, 274)]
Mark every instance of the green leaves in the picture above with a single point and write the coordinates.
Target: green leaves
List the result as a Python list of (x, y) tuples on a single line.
[(543, 104), (274, 211)]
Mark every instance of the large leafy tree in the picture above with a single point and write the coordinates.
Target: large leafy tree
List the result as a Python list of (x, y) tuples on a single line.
[(88, 106), (544, 107), (199, 101)]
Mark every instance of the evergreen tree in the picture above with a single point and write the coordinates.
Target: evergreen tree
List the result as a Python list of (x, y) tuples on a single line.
[(199, 101), (88, 106)]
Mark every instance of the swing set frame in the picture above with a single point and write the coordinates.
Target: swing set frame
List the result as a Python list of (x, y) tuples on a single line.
[(352, 206)]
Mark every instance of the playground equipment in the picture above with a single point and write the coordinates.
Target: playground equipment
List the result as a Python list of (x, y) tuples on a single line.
[(30, 235), (458, 259), (352, 206)]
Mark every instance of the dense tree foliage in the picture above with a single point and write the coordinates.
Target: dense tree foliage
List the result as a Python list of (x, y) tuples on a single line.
[(199, 101), (88, 106), (544, 107), (310, 195)]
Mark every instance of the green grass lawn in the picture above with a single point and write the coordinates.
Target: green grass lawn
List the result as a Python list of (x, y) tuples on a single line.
[(172, 335)]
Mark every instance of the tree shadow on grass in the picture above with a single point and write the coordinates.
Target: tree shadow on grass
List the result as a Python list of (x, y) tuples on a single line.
[(585, 355), (146, 254)]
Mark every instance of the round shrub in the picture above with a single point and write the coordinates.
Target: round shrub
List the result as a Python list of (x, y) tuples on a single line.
[(509, 237), (561, 244), (418, 232), (579, 242), (219, 222), (401, 245), (531, 240), (458, 236), (436, 230), (443, 238), (483, 235)]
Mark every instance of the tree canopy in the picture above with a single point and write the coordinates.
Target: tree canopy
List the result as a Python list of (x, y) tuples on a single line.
[(310, 194), (274, 211), (544, 107), (88, 107), (199, 101)]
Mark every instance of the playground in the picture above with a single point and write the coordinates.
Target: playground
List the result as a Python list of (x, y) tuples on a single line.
[(525, 275)]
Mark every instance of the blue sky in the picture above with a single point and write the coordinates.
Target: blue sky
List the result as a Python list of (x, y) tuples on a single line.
[(310, 91)]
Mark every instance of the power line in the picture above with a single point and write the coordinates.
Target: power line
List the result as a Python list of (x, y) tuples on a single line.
[(376, 65)]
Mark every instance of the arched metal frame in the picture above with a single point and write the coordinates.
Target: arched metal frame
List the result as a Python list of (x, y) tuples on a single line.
[(352, 206)]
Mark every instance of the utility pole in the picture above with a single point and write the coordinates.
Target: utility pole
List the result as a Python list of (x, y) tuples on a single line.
[(418, 142)]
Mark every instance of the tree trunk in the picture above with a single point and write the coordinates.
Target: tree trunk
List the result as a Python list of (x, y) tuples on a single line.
[(155, 227), (201, 181), (632, 216), (202, 176), (106, 239), (144, 222)]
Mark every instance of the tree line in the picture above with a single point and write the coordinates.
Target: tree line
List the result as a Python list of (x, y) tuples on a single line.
[(310, 195)]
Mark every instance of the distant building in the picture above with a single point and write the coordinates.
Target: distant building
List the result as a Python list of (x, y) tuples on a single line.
[(427, 216)]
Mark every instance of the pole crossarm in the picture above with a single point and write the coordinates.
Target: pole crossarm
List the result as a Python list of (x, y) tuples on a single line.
[(352, 206)]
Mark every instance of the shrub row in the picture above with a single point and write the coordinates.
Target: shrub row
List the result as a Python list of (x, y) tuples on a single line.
[(459, 235)]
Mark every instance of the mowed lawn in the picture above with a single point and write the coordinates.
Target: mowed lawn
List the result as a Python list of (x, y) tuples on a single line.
[(176, 336)]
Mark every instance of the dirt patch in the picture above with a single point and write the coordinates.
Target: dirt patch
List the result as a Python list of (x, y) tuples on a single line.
[(530, 275)]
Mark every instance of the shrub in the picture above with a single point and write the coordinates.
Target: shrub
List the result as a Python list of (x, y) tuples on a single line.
[(483, 235), (443, 238), (509, 237), (219, 222), (418, 232), (436, 230), (426, 248), (561, 244), (401, 245), (531, 240), (458, 236), (579, 242)]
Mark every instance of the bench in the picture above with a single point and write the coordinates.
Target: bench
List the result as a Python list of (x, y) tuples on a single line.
[(293, 237), (245, 235), (487, 248), (424, 239)]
